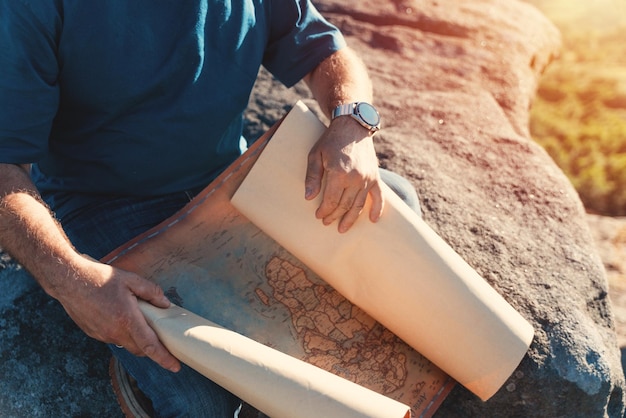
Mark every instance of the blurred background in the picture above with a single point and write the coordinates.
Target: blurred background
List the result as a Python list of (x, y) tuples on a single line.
[(579, 115)]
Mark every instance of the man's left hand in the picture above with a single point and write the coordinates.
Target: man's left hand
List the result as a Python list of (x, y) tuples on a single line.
[(345, 155)]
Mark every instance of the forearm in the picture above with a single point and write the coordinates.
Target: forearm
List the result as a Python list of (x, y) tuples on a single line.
[(345, 153), (29, 232), (101, 299), (340, 78)]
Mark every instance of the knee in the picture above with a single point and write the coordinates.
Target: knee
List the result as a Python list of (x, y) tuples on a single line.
[(403, 188), (191, 406), (183, 394), (204, 400)]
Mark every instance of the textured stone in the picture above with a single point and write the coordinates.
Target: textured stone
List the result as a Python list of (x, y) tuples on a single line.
[(454, 81), (49, 367)]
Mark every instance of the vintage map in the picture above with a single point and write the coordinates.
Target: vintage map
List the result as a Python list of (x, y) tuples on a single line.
[(212, 261)]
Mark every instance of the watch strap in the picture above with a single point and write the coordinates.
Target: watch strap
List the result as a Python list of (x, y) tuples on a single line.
[(344, 109)]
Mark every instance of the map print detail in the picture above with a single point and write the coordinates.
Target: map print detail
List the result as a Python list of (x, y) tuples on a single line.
[(335, 334)]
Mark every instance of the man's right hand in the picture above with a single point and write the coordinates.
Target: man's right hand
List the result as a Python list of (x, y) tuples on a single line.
[(102, 300)]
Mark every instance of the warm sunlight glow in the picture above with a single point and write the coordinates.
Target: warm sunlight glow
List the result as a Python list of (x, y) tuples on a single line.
[(585, 14)]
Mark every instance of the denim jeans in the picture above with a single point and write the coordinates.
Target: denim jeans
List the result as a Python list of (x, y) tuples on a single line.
[(101, 224)]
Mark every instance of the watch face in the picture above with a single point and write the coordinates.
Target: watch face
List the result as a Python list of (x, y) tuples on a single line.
[(367, 112)]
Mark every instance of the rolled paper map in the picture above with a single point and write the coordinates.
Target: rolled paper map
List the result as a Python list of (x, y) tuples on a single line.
[(257, 373), (398, 270)]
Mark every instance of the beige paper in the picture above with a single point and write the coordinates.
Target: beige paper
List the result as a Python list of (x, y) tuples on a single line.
[(214, 262), (398, 270), (258, 373)]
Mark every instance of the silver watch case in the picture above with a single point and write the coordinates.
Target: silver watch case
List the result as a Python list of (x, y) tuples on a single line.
[(362, 112)]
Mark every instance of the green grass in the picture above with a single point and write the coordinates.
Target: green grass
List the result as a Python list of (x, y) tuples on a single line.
[(579, 116)]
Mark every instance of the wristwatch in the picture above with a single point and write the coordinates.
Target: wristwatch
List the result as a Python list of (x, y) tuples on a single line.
[(362, 112)]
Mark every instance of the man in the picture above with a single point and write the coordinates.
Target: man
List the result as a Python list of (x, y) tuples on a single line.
[(113, 114)]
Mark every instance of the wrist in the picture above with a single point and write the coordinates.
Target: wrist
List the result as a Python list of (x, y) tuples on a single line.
[(350, 128), (58, 275)]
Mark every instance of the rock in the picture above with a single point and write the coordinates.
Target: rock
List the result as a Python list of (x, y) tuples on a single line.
[(454, 82), (49, 367), (609, 234)]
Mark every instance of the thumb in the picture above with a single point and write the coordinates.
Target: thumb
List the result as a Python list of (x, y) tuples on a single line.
[(149, 291), (314, 174)]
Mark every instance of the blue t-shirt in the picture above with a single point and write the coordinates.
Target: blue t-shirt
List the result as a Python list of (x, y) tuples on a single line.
[(142, 97)]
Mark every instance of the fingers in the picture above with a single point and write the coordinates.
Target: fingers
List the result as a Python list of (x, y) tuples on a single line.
[(345, 203), (145, 342), (351, 215), (338, 199), (135, 335)]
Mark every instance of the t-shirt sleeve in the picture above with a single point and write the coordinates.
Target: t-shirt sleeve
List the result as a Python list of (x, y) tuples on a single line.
[(29, 93), (300, 38)]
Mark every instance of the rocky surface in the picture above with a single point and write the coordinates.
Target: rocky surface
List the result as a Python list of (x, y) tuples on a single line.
[(610, 237), (454, 81), (49, 368)]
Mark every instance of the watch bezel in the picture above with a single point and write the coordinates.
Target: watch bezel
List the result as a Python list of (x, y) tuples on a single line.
[(370, 119), (366, 115)]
